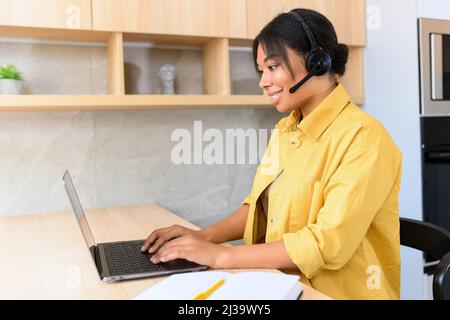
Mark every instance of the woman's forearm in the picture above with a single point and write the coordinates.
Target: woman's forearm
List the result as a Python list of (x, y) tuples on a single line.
[(228, 229), (271, 255)]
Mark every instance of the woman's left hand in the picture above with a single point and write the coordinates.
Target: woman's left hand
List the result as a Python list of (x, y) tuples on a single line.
[(194, 249)]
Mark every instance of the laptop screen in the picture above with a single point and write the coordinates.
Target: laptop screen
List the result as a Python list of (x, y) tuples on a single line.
[(78, 210)]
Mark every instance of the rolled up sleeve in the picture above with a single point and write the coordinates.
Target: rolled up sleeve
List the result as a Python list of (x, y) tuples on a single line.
[(352, 196)]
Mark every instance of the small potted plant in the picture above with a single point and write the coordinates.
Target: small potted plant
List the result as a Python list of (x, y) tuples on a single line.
[(10, 80)]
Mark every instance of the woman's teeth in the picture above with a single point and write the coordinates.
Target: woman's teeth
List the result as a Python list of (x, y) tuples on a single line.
[(274, 99)]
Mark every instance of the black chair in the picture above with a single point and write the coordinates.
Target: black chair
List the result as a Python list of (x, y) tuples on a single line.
[(434, 241)]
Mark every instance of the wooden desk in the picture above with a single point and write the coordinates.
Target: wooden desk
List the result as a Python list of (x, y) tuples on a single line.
[(44, 256)]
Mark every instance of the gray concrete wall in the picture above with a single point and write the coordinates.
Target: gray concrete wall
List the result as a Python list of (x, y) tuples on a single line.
[(119, 157)]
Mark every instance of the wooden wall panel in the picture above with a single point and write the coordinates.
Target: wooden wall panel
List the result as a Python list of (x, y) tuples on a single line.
[(66, 14), (212, 18), (347, 16)]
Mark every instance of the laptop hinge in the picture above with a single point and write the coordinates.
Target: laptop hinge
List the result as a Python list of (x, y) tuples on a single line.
[(96, 257)]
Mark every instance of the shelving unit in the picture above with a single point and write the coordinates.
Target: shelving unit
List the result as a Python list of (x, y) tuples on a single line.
[(132, 102), (215, 47), (127, 102), (215, 63)]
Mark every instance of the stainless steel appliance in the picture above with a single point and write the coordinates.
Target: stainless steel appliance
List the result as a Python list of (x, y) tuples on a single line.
[(434, 59), (435, 136)]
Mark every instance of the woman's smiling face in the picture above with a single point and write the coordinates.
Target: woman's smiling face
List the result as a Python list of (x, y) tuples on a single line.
[(276, 80)]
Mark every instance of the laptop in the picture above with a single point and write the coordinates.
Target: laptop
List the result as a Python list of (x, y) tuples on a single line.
[(122, 260)]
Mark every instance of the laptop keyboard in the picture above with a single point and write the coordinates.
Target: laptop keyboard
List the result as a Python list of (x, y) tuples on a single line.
[(127, 258)]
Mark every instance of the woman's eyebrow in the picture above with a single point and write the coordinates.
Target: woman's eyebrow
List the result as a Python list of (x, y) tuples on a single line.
[(269, 57)]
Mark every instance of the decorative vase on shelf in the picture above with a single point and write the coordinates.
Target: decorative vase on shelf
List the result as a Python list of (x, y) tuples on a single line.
[(11, 86), (10, 80), (166, 76)]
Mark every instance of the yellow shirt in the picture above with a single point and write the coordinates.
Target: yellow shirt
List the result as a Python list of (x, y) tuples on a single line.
[(336, 204)]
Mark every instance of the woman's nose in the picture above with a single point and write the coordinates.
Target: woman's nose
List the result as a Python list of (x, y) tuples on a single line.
[(265, 81)]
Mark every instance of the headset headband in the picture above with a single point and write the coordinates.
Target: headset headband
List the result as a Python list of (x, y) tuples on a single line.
[(309, 34)]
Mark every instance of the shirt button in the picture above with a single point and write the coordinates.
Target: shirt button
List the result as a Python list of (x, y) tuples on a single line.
[(295, 142), (273, 220)]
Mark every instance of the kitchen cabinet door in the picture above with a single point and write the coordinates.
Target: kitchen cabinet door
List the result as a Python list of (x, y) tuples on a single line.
[(347, 16), (65, 14), (212, 18)]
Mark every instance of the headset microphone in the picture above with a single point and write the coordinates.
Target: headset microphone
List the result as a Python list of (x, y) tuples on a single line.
[(318, 62), (302, 82)]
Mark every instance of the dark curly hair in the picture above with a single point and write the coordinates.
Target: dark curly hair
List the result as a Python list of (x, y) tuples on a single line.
[(285, 31)]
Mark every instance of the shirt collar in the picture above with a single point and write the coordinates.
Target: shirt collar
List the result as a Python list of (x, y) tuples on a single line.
[(320, 118)]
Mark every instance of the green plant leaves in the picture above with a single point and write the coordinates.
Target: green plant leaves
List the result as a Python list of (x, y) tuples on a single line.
[(10, 72)]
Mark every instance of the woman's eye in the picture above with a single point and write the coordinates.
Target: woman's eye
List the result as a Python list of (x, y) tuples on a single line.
[(270, 67)]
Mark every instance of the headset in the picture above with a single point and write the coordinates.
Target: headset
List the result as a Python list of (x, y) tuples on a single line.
[(318, 62)]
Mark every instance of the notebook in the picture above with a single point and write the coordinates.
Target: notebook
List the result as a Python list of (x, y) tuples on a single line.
[(251, 285)]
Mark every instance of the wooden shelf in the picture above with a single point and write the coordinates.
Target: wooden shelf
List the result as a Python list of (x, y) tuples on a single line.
[(126, 102), (167, 39), (53, 34), (132, 102)]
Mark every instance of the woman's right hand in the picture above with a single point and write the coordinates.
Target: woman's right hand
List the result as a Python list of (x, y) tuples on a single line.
[(160, 236)]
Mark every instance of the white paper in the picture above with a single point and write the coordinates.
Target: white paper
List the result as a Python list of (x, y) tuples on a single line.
[(183, 286), (252, 285), (258, 286)]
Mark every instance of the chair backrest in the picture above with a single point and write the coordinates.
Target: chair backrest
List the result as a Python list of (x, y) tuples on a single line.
[(441, 279), (435, 241)]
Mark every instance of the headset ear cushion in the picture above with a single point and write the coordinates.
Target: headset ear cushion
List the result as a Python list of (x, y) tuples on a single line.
[(318, 62)]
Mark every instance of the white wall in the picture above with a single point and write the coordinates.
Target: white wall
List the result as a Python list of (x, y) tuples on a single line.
[(392, 96), (434, 9)]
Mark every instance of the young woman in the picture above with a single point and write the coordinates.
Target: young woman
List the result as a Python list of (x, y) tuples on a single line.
[(324, 202)]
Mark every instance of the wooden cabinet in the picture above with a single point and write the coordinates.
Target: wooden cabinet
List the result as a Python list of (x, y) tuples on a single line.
[(211, 25), (64, 14), (347, 16), (210, 18), (353, 79)]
